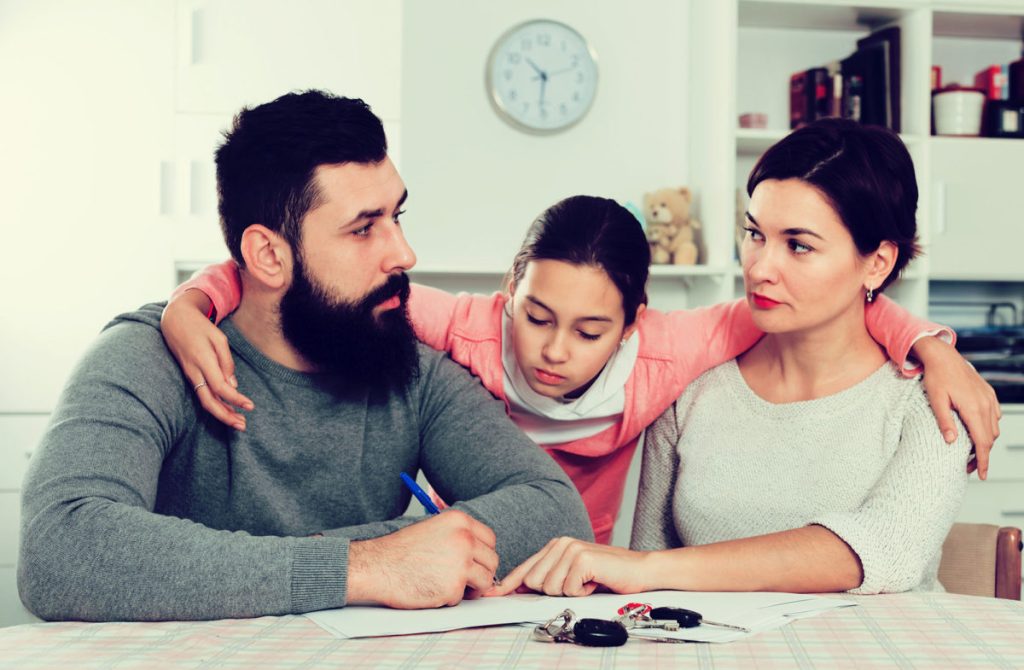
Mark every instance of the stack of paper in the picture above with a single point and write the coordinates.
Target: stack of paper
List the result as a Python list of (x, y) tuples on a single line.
[(757, 612)]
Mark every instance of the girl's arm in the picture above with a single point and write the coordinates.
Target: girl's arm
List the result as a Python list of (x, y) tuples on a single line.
[(950, 381), (200, 348), (702, 338)]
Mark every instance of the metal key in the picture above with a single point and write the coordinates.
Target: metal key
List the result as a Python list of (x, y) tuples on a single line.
[(690, 619), (636, 615)]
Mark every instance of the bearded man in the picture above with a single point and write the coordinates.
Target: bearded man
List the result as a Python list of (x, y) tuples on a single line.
[(141, 506)]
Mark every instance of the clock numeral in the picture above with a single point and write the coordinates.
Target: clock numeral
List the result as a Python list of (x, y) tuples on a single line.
[(565, 46), (563, 109), (575, 96), (544, 40), (514, 58), (512, 94), (508, 75), (579, 77), (542, 113), (575, 60), (526, 106)]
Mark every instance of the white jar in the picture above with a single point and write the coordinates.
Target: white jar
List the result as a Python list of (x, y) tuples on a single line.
[(958, 111)]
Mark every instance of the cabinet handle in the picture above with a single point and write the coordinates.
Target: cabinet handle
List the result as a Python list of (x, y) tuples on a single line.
[(940, 207), (1014, 512), (1015, 447), (166, 188), (195, 188), (196, 37)]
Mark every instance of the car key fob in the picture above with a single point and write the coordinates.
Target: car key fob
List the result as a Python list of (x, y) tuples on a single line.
[(599, 633), (686, 618)]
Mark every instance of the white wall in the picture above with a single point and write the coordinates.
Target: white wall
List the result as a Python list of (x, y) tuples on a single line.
[(471, 175)]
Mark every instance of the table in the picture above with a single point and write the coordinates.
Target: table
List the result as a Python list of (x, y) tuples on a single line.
[(909, 630)]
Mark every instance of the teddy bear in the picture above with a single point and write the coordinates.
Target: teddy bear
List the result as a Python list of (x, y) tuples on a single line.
[(671, 231)]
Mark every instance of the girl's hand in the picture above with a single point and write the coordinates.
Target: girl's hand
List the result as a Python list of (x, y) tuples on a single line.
[(952, 383), (570, 567), (202, 351)]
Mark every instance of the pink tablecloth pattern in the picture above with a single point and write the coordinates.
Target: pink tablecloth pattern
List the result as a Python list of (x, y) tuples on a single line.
[(892, 631)]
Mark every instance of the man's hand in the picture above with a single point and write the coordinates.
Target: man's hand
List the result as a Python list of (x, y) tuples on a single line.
[(570, 567), (428, 564), (952, 383)]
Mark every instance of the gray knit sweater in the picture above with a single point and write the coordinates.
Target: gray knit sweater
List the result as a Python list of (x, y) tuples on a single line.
[(140, 506), (868, 463)]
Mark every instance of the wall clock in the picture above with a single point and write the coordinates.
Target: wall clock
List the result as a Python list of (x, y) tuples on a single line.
[(542, 76)]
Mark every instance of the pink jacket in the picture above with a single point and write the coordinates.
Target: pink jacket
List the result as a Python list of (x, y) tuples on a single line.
[(674, 349)]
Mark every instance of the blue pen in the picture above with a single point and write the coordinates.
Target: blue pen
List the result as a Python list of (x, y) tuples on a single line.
[(420, 494)]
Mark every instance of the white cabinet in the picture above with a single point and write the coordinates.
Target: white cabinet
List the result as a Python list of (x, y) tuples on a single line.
[(974, 211), (243, 52), (236, 53)]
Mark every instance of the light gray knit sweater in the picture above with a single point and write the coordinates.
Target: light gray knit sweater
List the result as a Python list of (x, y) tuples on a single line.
[(868, 463)]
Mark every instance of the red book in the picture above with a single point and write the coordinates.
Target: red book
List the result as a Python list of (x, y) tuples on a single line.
[(992, 81)]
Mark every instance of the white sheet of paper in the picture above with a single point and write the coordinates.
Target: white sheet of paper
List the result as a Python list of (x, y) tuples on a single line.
[(757, 611)]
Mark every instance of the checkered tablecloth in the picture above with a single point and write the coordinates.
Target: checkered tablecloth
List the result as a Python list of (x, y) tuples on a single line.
[(892, 631)]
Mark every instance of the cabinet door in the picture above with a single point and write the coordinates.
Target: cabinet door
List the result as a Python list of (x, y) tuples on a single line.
[(242, 52), (86, 123), (976, 221)]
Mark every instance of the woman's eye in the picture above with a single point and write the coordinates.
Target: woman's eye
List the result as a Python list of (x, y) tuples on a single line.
[(398, 215), (364, 231), (754, 234), (589, 336), (799, 248)]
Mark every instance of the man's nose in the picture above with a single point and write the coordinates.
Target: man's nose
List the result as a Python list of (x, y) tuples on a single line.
[(399, 256)]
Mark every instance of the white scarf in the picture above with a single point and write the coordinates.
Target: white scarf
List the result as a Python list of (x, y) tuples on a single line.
[(555, 420)]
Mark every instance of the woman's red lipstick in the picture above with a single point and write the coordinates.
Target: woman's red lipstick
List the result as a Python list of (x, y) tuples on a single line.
[(762, 302)]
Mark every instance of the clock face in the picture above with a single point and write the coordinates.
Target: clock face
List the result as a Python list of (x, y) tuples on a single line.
[(542, 76)]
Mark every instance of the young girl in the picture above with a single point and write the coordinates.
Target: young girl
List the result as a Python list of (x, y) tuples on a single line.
[(808, 464), (582, 365)]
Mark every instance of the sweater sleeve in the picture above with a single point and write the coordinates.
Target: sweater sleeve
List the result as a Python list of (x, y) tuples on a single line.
[(900, 527), (897, 330), (92, 547), (653, 522), (220, 283), (432, 313), (479, 462)]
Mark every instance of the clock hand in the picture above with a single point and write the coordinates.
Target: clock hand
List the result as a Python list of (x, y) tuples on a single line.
[(562, 71), (543, 75)]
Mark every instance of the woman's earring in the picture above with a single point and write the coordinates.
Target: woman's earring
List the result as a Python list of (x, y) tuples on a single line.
[(870, 295), (622, 342)]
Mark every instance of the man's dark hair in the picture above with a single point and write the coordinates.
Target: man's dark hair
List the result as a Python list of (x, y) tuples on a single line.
[(266, 164), (865, 172)]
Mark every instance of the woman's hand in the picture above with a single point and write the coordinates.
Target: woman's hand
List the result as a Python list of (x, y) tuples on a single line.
[(570, 567), (952, 383), (202, 351)]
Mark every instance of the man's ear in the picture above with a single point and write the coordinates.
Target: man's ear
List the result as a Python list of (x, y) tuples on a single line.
[(267, 255)]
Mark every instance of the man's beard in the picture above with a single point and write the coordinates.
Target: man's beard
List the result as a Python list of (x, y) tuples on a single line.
[(355, 349)]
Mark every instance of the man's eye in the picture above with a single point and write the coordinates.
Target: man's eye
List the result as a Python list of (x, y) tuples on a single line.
[(364, 231)]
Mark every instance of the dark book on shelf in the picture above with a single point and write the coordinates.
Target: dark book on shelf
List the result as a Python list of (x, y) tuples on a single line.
[(877, 62), (1016, 80), (809, 93), (867, 71)]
